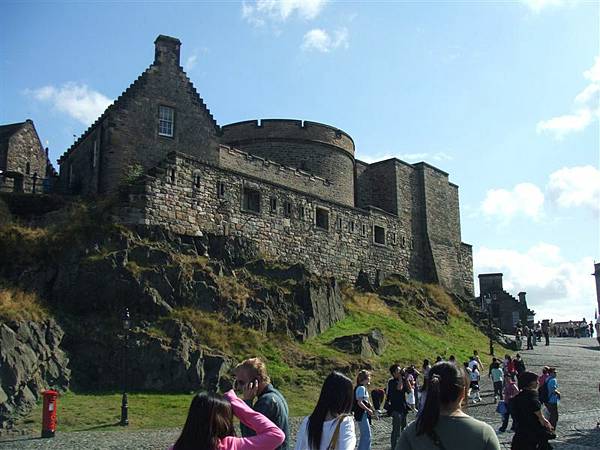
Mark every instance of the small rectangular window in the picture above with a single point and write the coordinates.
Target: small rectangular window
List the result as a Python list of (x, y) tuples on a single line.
[(322, 218), (251, 200), (287, 209), (301, 212), (273, 204), (221, 189), (165, 121), (363, 230), (393, 236), (378, 235), (351, 226), (197, 180), (403, 242), (172, 175), (338, 224)]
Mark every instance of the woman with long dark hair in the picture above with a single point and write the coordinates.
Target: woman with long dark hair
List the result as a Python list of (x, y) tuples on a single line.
[(442, 425), (209, 425), (330, 426)]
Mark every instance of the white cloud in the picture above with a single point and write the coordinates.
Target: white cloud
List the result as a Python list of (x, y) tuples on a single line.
[(261, 11), (525, 198), (576, 186), (190, 62), (563, 125), (539, 5), (320, 40), (556, 288), (588, 103), (76, 100)]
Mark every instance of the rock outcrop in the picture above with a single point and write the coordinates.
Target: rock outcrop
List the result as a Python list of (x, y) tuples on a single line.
[(31, 360), (366, 345)]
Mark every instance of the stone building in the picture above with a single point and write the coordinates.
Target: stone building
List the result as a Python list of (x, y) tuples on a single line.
[(293, 187), (506, 310), (24, 164)]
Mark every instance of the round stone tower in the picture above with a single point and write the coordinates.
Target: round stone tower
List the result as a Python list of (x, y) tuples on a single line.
[(319, 149)]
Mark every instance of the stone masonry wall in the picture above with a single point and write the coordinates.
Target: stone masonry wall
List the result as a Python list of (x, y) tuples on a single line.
[(131, 123), (442, 225), (192, 205), (316, 148), (25, 147), (466, 263), (291, 177)]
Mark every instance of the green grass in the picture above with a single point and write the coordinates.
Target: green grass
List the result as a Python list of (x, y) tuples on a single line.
[(80, 412)]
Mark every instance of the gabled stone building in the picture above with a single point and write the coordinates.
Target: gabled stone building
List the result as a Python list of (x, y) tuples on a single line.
[(292, 187), (24, 164), (506, 310)]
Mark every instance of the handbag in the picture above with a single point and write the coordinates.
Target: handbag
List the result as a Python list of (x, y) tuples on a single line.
[(336, 433), (501, 408)]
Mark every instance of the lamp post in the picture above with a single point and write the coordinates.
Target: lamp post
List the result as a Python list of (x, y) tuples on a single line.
[(124, 405), (488, 303)]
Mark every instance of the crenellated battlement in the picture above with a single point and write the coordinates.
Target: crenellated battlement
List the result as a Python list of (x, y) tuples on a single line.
[(287, 129)]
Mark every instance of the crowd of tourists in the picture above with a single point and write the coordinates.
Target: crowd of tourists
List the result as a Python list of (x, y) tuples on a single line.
[(434, 395)]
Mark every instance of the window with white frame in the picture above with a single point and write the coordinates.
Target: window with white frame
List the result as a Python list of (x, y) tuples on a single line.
[(166, 117)]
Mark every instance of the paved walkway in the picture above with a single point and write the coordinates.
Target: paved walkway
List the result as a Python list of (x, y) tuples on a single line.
[(577, 361)]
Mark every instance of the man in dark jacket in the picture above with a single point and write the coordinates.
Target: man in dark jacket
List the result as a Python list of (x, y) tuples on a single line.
[(252, 380), (396, 402)]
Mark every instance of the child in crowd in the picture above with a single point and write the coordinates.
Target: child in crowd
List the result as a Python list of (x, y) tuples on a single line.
[(475, 377)]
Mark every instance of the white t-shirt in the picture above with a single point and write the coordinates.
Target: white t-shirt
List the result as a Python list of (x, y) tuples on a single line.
[(346, 438), (473, 363)]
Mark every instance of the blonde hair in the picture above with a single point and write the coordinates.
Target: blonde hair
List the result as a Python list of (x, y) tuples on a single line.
[(362, 376), (256, 368)]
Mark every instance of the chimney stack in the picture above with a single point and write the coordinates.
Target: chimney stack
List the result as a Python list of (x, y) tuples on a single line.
[(166, 50)]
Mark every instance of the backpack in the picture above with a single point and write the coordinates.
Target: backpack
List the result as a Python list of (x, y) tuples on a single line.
[(543, 393)]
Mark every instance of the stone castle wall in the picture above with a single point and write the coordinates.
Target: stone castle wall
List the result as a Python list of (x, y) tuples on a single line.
[(191, 204), (25, 155), (316, 148)]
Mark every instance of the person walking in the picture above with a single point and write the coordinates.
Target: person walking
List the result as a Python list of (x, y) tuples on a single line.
[(363, 411), (532, 429), (497, 375), (397, 403), (209, 425), (553, 397), (529, 335), (474, 386), (442, 420), (269, 401), (546, 332), (510, 391), (519, 364), (330, 426)]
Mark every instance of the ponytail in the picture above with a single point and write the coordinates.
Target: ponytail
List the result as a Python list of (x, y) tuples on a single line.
[(445, 384), (430, 414)]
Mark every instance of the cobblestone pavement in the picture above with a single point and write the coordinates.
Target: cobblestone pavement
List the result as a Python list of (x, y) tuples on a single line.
[(577, 362)]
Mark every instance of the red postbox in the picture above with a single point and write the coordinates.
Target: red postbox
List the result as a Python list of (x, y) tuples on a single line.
[(49, 413)]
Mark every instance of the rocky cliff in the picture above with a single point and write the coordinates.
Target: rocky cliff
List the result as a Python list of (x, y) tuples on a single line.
[(31, 360)]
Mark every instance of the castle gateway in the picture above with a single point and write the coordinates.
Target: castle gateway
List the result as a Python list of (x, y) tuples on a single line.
[(292, 187)]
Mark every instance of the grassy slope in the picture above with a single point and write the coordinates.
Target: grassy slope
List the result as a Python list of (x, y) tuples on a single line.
[(410, 339)]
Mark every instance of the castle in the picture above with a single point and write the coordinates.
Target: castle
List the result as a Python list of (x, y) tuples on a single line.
[(506, 310), (294, 188)]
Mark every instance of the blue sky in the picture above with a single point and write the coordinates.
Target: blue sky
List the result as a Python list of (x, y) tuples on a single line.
[(502, 95)]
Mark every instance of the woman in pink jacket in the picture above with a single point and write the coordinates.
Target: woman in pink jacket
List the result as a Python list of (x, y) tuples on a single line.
[(209, 425)]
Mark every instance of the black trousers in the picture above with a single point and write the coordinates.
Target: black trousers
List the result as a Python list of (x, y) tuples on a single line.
[(529, 442)]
